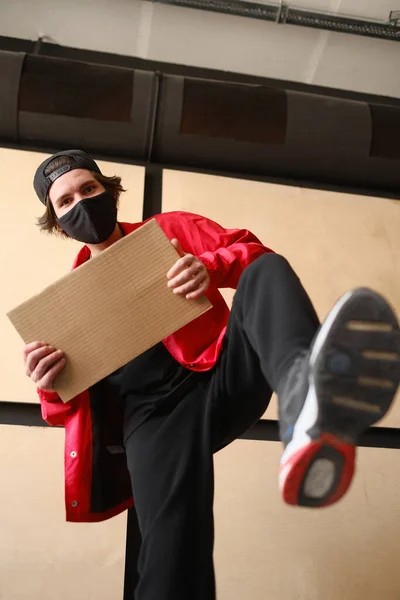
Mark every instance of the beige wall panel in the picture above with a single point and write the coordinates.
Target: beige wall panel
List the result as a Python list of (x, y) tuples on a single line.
[(334, 241), (266, 549), (30, 260), (397, 262), (42, 556)]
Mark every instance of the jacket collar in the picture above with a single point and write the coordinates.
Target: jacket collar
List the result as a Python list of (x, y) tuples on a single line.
[(84, 253)]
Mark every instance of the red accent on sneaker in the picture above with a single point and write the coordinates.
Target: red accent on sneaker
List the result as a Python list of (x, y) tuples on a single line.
[(296, 466)]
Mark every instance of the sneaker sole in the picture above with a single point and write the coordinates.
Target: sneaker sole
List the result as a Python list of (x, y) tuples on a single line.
[(354, 373)]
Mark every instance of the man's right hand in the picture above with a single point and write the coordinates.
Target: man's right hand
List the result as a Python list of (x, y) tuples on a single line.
[(42, 364)]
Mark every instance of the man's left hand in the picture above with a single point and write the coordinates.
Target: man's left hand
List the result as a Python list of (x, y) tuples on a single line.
[(189, 276)]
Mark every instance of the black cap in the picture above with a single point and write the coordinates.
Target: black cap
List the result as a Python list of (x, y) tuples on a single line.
[(42, 184)]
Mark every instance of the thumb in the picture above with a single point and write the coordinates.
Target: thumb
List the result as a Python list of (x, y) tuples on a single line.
[(178, 247)]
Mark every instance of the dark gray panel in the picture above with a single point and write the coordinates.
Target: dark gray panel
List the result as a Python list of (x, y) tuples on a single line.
[(328, 126), (173, 147), (61, 131), (10, 75), (131, 139), (328, 140)]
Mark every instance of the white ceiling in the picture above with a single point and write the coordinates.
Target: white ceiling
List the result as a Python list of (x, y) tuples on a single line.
[(230, 43)]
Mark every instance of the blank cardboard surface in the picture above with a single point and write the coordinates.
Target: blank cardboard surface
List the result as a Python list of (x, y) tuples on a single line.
[(31, 260), (109, 310), (334, 241), (42, 557), (267, 550)]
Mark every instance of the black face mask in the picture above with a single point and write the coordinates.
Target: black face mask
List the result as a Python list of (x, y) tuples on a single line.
[(92, 220)]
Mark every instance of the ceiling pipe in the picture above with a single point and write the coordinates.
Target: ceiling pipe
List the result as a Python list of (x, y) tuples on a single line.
[(285, 14)]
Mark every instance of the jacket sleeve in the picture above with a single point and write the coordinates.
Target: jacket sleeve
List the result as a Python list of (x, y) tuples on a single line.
[(54, 410), (225, 252)]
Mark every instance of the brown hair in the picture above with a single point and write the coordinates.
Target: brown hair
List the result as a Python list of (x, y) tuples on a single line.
[(47, 222)]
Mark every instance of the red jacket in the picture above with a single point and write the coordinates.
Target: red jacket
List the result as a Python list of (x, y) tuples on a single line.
[(226, 253)]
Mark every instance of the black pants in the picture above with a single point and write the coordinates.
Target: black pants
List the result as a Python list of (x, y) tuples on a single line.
[(170, 456)]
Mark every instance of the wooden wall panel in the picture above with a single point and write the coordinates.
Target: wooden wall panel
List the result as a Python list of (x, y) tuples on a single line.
[(267, 550), (41, 556)]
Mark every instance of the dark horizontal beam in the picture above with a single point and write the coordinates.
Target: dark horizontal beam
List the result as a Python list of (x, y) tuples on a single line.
[(108, 58), (308, 184), (155, 167), (22, 414), (266, 430), (375, 437)]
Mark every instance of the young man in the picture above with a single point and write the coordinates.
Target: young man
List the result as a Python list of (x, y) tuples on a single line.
[(151, 428)]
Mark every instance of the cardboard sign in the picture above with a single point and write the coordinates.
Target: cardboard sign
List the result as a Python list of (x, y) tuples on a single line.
[(109, 310)]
